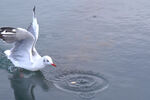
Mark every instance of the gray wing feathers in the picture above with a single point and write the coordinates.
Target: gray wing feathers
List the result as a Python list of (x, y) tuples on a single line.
[(9, 38), (21, 51), (34, 26), (23, 45), (34, 29), (23, 42)]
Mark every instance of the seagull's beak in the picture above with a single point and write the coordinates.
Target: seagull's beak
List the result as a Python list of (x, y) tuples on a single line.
[(53, 65)]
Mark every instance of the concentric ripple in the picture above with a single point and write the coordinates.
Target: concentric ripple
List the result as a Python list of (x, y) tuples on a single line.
[(84, 83)]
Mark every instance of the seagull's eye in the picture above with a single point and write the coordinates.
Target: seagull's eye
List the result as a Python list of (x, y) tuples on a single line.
[(47, 61)]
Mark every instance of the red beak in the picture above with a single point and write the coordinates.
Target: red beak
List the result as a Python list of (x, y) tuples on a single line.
[(53, 65)]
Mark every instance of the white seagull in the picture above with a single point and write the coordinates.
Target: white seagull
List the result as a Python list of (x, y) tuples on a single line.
[(23, 54)]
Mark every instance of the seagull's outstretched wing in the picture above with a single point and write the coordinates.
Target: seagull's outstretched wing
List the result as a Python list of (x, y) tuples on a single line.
[(34, 29), (23, 41), (34, 26)]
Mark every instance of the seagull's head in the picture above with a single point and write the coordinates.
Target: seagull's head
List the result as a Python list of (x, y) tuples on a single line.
[(48, 61)]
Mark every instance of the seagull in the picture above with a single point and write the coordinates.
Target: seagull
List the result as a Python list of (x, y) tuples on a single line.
[(23, 54)]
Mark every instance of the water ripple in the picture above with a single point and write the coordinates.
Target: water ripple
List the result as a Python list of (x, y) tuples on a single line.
[(84, 83)]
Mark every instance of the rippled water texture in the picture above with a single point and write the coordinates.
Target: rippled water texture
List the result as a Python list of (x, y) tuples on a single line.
[(84, 83), (110, 37)]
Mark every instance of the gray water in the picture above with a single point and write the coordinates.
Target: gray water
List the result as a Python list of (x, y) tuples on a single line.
[(109, 38)]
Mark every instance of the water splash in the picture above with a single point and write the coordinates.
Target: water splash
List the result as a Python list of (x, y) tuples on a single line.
[(84, 83)]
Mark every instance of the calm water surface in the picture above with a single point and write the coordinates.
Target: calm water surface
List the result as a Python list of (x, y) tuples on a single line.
[(102, 38)]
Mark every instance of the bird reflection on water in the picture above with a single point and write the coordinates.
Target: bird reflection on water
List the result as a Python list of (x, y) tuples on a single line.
[(23, 84)]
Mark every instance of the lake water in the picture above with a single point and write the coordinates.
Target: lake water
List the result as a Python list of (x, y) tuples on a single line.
[(101, 48)]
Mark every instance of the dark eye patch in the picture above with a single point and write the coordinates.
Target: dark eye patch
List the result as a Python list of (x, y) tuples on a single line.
[(46, 60)]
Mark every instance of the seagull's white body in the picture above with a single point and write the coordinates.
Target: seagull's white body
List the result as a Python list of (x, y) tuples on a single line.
[(24, 54)]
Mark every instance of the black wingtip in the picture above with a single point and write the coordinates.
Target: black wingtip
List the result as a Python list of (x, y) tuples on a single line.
[(34, 9)]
